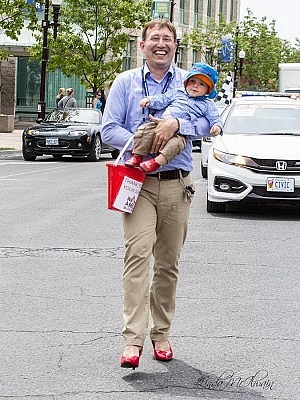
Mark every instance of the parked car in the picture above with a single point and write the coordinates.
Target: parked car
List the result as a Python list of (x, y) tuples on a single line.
[(257, 159), (198, 142), (73, 131), (206, 142)]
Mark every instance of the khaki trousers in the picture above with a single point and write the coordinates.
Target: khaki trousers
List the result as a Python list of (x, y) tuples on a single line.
[(158, 227), (143, 139)]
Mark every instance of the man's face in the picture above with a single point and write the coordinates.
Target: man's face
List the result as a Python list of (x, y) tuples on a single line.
[(159, 47)]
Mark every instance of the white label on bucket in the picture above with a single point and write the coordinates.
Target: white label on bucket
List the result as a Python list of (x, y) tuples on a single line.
[(128, 194)]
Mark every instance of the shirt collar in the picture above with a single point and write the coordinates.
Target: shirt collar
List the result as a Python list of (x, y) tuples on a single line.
[(147, 71)]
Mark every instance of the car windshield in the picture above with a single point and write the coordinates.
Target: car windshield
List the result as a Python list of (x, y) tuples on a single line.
[(264, 119), (75, 115)]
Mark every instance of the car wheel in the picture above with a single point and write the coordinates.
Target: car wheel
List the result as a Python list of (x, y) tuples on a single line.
[(203, 171), (96, 151), (215, 207), (27, 156), (115, 154), (57, 156)]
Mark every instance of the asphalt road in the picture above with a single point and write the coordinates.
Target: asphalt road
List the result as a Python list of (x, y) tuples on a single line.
[(236, 331)]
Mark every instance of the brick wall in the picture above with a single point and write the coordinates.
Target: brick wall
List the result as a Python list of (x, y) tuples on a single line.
[(8, 81)]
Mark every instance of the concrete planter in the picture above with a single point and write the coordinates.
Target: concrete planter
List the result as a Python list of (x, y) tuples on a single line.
[(7, 123)]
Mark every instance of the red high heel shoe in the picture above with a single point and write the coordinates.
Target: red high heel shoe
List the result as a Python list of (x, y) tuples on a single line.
[(163, 355), (131, 361)]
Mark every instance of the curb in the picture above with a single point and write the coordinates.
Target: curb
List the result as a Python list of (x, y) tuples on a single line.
[(9, 153)]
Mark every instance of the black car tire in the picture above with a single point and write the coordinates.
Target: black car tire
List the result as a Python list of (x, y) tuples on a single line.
[(115, 154), (215, 207), (96, 151), (203, 171), (27, 156)]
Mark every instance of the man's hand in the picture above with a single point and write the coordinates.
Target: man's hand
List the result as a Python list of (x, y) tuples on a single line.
[(166, 128)]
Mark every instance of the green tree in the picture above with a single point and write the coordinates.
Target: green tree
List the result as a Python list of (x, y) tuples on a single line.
[(92, 38), (290, 53), (12, 13), (263, 50), (206, 39)]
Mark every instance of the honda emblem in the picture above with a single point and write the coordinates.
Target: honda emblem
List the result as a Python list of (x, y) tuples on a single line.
[(281, 165)]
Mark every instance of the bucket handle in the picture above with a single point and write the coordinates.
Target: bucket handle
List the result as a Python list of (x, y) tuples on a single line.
[(123, 150)]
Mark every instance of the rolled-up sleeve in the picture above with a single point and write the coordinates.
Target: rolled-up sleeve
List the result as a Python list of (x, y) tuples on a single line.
[(113, 131)]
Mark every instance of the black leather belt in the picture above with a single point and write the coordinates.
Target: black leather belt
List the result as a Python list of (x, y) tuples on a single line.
[(168, 175)]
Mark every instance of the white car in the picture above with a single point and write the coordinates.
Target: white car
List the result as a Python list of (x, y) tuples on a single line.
[(205, 146), (257, 159), (206, 142)]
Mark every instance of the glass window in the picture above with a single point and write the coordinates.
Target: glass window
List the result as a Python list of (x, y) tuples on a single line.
[(194, 60), (232, 10), (182, 11), (180, 58), (127, 56), (221, 7), (209, 8), (29, 83), (196, 13), (29, 80)]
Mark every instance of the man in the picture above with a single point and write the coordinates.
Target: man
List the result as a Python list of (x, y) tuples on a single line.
[(158, 224)]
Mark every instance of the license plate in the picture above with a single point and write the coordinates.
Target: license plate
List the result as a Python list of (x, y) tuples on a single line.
[(51, 141), (280, 184)]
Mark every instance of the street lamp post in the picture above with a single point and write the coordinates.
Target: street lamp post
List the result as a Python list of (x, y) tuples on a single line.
[(238, 63), (242, 55), (238, 69), (179, 37), (172, 4), (46, 51)]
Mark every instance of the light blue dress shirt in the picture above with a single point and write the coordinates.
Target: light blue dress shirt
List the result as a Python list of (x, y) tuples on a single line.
[(123, 114)]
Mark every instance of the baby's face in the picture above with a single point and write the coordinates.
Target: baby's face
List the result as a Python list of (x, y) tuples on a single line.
[(196, 87)]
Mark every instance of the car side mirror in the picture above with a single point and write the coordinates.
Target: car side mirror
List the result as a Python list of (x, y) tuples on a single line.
[(39, 120)]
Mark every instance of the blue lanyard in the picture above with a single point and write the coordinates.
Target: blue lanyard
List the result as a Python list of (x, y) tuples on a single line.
[(146, 89)]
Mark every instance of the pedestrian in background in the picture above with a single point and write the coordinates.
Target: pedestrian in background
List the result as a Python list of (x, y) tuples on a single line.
[(99, 101), (158, 224), (60, 94), (68, 100)]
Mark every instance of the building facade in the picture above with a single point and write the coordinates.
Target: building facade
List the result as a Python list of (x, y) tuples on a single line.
[(20, 77)]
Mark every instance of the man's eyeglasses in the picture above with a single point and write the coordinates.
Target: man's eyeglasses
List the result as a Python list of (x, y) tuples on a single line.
[(156, 38)]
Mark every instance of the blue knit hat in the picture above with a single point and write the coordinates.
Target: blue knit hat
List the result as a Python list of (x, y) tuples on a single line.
[(208, 74)]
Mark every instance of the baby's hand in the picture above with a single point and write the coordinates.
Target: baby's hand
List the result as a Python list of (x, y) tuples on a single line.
[(145, 102), (215, 130)]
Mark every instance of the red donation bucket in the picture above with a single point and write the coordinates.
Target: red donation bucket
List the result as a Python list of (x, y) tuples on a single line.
[(123, 187)]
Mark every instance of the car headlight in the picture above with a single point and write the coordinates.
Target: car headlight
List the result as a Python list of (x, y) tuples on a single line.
[(233, 159), (77, 133), (32, 132)]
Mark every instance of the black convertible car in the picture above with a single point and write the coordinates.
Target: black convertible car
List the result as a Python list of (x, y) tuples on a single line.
[(74, 131)]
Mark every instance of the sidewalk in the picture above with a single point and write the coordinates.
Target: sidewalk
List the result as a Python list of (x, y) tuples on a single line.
[(11, 142)]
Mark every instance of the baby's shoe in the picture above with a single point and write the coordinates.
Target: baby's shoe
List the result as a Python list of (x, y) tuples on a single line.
[(149, 165), (134, 161)]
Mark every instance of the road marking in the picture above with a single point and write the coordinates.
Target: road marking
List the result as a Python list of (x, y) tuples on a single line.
[(19, 163), (33, 172)]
